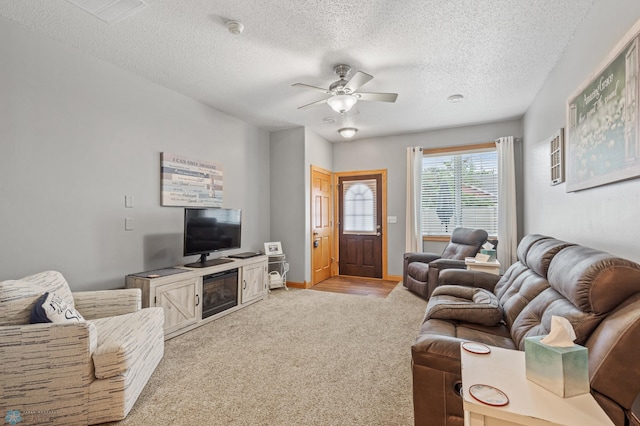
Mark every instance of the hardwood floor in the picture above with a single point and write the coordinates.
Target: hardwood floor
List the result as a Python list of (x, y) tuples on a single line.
[(354, 285)]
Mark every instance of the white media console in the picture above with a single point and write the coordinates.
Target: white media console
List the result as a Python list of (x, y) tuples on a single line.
[(191, 297)]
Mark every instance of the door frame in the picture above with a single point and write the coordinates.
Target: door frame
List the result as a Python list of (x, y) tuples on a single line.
[(336, 236)]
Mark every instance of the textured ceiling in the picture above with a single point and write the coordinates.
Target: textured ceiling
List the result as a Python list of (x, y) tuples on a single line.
[(496, 53)]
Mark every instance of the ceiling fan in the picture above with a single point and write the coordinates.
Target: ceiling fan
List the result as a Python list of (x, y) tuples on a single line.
[(344, 94)]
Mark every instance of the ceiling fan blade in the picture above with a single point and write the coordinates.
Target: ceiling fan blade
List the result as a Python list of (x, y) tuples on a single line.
[(380, 97), (307, 86), (321, 101), (358, 80)]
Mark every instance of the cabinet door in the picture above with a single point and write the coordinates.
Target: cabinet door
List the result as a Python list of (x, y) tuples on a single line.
[(253, 282), (180, 302)]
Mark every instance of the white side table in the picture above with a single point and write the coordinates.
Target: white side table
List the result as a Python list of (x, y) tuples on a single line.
[(490, 267), (529, 403)]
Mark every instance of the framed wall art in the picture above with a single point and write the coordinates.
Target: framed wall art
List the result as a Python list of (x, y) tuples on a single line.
[(188, 182), (273, 248), (602, 140)]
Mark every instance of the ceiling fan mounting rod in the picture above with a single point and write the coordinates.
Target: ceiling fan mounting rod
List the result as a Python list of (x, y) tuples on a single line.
[(342, 70)]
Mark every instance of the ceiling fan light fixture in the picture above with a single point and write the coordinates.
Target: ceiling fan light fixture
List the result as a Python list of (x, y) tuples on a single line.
[(348, 132), (342, 103)]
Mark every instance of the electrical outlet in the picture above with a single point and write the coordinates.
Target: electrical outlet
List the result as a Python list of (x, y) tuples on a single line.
[(128, 224), (128, 201)]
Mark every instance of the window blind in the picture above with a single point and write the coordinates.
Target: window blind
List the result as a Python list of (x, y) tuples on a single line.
[(459, 189)]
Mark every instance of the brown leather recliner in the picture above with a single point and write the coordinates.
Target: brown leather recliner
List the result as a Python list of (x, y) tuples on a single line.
[(420, 270), (597, 292)]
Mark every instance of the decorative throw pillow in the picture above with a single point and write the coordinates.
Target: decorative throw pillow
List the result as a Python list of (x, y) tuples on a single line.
[(51, 308), (475, 305)]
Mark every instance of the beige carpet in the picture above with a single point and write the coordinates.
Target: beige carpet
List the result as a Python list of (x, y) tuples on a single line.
[(300, 357)]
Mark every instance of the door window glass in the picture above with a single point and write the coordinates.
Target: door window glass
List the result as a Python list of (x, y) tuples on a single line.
[(359, 207)]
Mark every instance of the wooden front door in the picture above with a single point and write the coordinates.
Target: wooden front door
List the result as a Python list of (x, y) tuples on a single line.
[(360, 225), (321, 228)]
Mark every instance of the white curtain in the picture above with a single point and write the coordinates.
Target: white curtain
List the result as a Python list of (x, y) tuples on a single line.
[(414, 200), (507, 213)]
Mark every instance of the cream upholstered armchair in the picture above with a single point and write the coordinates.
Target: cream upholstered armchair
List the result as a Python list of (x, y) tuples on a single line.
[(84, 372)]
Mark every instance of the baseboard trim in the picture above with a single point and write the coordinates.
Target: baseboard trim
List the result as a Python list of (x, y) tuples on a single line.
[(294, 284), (394, 278)]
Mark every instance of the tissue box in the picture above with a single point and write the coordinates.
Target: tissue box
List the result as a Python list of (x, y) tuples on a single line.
[(491, 253), (563, 371)]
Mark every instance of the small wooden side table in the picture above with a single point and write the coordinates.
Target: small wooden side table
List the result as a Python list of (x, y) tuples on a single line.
[(529, 403), (492, 267)]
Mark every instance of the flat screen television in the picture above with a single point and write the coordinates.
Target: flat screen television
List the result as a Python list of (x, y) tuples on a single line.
[(209, 230)]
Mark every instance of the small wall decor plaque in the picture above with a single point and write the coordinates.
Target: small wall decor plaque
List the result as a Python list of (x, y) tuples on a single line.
[(556, 148)]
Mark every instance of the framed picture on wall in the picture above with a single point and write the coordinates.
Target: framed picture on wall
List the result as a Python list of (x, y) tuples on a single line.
[(602, 136), (190, 182), (272, 248)]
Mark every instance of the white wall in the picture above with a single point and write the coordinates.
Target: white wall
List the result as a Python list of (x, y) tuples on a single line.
[(390, 153), (288, 202), (604, 217), (77, 135), (293, 152), (318, 152)]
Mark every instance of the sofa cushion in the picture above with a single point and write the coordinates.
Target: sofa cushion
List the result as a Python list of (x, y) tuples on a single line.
[(17, 299), (542, 252), (517, 287), (465, 242), (122, 340), (474, 305), (51, 308), (593, 280), (525, 244), (535, 318), (52, 281)]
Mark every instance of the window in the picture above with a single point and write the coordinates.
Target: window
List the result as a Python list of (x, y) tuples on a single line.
[(359, 204), (460, 188)]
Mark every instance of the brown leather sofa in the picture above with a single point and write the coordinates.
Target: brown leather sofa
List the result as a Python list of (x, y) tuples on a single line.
[(420, 270), (597, 292)]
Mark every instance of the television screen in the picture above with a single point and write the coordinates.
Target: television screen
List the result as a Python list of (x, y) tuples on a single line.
[(210, 230)]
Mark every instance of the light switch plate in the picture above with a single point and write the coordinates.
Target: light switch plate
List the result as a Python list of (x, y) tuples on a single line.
[(392, 219), (128, 201)]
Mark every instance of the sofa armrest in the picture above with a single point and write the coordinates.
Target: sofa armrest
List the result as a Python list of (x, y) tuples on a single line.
[(123, 338), (447, 264), (438, 352), (468, 278), (438, 265), (47, 368), (107, 303), (420, 257)]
